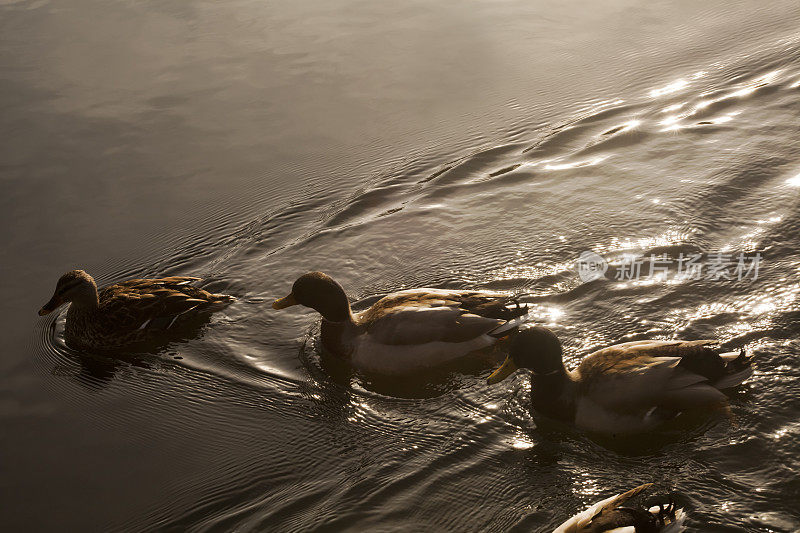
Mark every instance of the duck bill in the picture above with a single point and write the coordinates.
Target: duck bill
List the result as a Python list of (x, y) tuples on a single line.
[(506, 369), (284, 302), (50, 306)]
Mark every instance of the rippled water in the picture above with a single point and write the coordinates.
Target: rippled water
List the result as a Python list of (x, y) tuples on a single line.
[(480, 145)]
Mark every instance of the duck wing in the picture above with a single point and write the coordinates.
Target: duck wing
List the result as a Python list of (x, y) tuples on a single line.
[(639, 376), (411, 331), (668, 348), (410, 340), (422, 325), (422, 316), (155, 303), (701, 357), (586, 520), (491, 305)]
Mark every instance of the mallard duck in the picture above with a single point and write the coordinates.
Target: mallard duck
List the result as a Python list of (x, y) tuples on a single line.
[(407, 331), (609, 516), (625, 388), (129, 312)]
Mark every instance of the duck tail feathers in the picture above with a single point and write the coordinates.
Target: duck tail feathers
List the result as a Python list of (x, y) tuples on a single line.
[(668, 517), (731, 380), (739, 368), (511, 325), (583, 519), (219, 301), (676, 525)]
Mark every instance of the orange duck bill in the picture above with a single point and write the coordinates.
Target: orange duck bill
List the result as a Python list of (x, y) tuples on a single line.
[(283, 303)]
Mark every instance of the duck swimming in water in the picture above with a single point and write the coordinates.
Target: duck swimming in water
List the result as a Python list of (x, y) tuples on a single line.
[(625, 388), (409, 331), (128, 312)]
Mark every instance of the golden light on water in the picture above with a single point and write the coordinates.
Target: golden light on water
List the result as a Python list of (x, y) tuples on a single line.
[(587, 485), (673, 128), (628, 126), (521, 441), (756, 311), (779, 434), (723, 119), (670, 120), (668, 238), (536, 271), (577, 164), (673, 87), (674, 107), (396, 148), (750, 240), (794, 181)]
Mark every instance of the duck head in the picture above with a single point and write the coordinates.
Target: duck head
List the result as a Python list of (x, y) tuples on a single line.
[(535, 348), (77, 287), (319, 292)]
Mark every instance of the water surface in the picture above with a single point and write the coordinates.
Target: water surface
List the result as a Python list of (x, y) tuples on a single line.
[(448, 144)]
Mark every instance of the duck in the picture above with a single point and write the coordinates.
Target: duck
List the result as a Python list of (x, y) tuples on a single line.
[(626, 388), (609, 516), (408, 332), (129, 312)]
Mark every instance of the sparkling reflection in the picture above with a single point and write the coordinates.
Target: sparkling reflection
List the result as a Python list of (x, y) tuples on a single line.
[(674, 107), (668, 238), (577, 164), (587, 485), (521, 441), (673, 87), (793, 181)]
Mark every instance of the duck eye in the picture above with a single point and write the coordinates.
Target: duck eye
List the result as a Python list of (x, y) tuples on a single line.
[(63, 289)]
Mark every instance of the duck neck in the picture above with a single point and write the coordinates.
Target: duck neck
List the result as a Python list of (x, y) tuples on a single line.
[(338, 312), (550, 393), (335, 336), (82, 316), (87, 300), (332, 304)]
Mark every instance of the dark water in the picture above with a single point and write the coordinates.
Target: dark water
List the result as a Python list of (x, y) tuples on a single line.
[(448, 144)]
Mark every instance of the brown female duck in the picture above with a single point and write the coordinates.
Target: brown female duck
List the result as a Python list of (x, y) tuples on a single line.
[(129, 312), (406, 332)]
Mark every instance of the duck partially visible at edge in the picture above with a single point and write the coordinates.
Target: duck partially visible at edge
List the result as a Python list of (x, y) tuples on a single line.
[(610, 516)]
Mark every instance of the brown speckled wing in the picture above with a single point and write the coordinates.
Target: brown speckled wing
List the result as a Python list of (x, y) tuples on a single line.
[(151, 303)]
